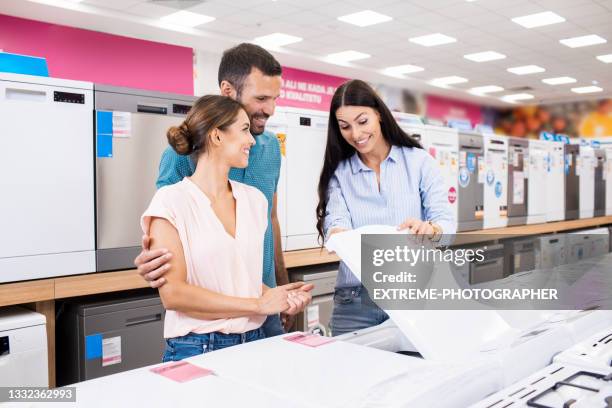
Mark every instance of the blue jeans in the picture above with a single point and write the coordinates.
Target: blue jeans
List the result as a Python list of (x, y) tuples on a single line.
[(272, 326), (353, 310), (192, 344)]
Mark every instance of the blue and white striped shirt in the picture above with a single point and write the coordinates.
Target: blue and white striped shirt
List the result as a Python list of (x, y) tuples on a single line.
[(411, 186)]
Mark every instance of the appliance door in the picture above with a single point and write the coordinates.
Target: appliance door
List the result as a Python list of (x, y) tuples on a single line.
[(587, 182), (471, 195), (125, 186), (317, 316), (571, 182), (517, 184), (524, 256), (306, 137), (537, 194), (608, 178), (555, 184), (491, 268), (495, 189), (126, 331), (278, 125), (46, 170), (600, 185), (447, 158)]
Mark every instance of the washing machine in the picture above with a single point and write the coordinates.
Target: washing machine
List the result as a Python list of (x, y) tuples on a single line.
[(572, 182), (496, 181), (537, 172), (518, 159), (555, 182)]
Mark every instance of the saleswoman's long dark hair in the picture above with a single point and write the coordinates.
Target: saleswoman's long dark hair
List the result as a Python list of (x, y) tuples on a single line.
[(353, 93)]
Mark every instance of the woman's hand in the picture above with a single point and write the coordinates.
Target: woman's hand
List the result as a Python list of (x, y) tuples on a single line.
[(276, 300), (298, 299), (418, 227)]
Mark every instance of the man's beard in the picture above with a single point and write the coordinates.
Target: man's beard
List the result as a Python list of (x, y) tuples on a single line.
[(257, 131)]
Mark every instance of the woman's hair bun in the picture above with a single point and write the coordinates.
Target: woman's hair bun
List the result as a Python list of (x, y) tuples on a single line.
[(180, 139)]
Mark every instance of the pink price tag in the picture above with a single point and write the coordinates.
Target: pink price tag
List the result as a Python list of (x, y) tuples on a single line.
[(181, 371), (311, 340)]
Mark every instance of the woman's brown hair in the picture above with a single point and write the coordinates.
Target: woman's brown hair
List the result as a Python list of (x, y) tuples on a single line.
[(208, 113)]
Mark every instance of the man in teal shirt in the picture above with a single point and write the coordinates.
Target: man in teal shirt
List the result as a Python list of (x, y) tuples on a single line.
[(251, 75)]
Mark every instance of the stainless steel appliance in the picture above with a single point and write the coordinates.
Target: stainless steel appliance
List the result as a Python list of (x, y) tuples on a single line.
[(471, 181), (572, 182), (127, 165), (600, 183), (316, 317), (551, 251), (108, 334), (520, 255), (518, 157)]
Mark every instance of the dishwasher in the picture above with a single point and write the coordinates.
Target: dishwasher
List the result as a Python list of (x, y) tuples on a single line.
[(130, 130), (317, 315)]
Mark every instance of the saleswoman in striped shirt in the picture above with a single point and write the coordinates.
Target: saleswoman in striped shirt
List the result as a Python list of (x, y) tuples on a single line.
[(374, 173)]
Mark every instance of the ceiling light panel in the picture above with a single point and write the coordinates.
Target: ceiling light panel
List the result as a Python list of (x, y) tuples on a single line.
[(559, 80), (526, 69), (187, 19), (484, 56), (605, 58), (538, 19), (583, 41), (587, 89), (432, 40), (276, 40), (365, 18)]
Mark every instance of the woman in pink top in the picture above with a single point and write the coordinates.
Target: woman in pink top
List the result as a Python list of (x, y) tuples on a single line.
[(215, 228)]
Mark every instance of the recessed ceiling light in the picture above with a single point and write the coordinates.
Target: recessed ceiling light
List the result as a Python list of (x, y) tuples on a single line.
[(486, 89), (187, 18), (446, 81), (401, 70), (365, 18), (517, 97), (605, 58), (276, 40), (559, 80), (583, 41), (526, 69), (346, 56), (484, 56), (431, 40), (587, 89), (538, 19)]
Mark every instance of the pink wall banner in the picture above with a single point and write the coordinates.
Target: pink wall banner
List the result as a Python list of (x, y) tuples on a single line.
[(442, 108), (74, 53), (308, 90)]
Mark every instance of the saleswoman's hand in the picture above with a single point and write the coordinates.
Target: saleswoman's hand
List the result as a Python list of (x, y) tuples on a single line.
[(417, 227)]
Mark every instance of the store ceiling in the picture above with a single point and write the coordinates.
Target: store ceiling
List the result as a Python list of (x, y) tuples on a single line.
[(477, 26)]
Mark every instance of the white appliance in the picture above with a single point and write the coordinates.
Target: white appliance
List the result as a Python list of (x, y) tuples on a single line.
[(556, 386), (607, 175), (23, 348), (47, 178), (303, 136), (496, 181), (537, 190), (596, 352), (555, 182), (551, 251), (586, 173), (442, 143)]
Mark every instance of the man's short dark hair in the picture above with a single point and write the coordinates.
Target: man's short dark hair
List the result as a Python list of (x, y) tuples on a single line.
[(237, 63)]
